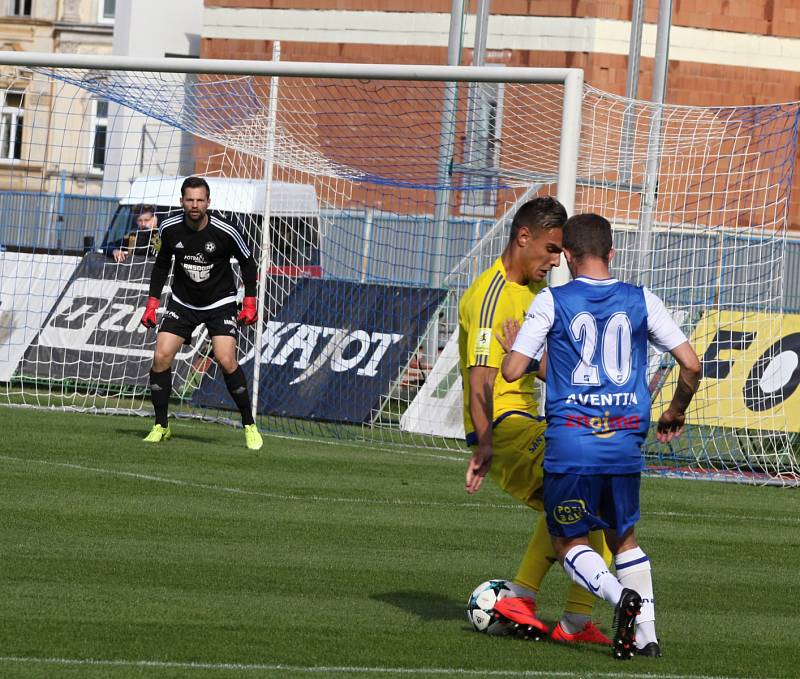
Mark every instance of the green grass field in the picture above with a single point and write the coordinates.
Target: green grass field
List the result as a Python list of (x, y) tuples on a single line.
[(199, 558)]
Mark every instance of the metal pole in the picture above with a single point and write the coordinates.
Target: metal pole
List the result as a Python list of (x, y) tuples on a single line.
[(660, 67), (634, 49), (475, 152), (446, 148), (631, 91), (568, 157), (366, 244), (481, 32), (265, 253)]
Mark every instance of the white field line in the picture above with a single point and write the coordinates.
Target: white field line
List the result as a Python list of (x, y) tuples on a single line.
[(456, 456), (320, 669), (785, 520)]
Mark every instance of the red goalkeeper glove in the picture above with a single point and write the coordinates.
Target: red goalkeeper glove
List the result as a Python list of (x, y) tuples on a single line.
[(149, 315), (248, 315)]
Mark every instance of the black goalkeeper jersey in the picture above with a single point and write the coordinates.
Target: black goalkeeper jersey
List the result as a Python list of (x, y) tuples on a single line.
[(203, 277)]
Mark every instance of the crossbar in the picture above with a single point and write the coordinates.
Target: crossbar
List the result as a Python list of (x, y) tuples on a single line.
[(291, 68)]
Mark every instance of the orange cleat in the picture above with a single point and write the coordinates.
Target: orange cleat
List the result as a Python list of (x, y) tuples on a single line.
[(590, 634), (521, 613)]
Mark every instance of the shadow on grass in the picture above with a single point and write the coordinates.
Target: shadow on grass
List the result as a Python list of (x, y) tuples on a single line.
[(141, 432), (425, 605)]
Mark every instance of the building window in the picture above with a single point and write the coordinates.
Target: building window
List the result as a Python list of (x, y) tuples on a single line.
[(11, 122), (20, 8), (99, 134), (106, 10)]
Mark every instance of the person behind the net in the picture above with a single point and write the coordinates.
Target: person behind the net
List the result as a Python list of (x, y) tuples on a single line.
[(203, 291), (146, 221), (598, 413), (501, 418)]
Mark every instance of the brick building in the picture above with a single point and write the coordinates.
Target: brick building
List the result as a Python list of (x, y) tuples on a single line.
[(722, 52)]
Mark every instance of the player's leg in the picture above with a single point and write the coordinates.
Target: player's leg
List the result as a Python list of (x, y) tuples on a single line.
[(576, 624), (177, 325), (518, 444), (167, 345), (633, 564), (573, 506), (223, 344)]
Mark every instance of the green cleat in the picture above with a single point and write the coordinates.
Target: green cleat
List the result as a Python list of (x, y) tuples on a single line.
[(252, 437), (158, 434)]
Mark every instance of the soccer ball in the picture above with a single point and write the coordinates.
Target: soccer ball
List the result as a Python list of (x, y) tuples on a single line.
[(480, 606)]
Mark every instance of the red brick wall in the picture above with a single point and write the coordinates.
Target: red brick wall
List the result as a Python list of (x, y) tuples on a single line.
[(689, 83)]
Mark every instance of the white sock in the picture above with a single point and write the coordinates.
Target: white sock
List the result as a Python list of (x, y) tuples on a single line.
[(587, 568), (572, 623), (519, 590), (633, 571)]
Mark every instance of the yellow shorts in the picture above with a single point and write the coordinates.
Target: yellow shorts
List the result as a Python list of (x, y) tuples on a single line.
[(518, 444)]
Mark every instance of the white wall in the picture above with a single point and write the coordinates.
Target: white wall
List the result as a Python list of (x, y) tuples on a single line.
[(149, 28)]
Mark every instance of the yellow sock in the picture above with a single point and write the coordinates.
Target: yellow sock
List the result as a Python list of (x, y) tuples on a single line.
[(537, 559), (580, 600)]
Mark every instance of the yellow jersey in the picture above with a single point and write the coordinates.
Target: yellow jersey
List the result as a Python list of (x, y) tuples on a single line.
[(491, 300)]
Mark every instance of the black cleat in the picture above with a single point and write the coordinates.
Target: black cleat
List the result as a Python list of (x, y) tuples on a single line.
[(625, 612), (651, 650)]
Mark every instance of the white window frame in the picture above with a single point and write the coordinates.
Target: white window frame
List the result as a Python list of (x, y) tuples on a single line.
[(12, 8), (17, 115), (96, 121), (101, 16)]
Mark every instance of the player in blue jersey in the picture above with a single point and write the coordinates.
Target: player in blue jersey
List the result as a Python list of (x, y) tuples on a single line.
[(598, 413)]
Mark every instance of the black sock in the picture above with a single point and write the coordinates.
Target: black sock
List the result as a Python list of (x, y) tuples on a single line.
[(237, 387), (160, 389)]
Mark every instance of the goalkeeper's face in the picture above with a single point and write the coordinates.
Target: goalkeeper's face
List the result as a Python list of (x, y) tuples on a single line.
[(194, 202), (541, 251)]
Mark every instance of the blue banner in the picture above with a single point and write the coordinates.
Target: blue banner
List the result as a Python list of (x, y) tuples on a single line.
[(332, 350)]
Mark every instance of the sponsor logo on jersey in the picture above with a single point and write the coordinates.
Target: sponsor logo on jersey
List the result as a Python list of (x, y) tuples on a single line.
[(603, 427), (179, 245), (197, 272), (625, 398), (483, 341), (210, 247), (197, 259), (569, 511)]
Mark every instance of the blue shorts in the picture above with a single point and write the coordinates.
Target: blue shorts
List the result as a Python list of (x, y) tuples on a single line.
[(576, 504)]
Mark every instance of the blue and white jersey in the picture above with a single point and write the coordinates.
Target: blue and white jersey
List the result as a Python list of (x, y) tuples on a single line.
[(598, 401)]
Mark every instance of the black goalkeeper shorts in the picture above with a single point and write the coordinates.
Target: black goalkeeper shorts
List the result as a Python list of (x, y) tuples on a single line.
[(182, 321)]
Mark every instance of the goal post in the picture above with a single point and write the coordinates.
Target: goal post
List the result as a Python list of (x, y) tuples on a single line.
[(362, 261)]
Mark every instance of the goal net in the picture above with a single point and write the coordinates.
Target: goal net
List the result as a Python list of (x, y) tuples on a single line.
[(370, 206)]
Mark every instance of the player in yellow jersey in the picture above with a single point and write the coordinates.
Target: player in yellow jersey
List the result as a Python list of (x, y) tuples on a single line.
[(501, 419)]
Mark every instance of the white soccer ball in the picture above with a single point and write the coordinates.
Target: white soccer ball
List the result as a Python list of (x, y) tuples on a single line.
[(480, 606)]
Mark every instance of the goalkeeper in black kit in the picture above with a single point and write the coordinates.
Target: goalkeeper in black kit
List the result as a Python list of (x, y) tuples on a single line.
[(203, 291)]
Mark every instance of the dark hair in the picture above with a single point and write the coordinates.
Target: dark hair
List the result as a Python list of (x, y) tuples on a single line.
[(543, 213), (143, 209), (588, 235), (195, 183)]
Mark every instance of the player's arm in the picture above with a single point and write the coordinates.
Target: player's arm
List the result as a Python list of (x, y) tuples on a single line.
[(530, 340), (665, 334), (673, 419), (481, 410), (249, 269), (158, 279), (537, 365)]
